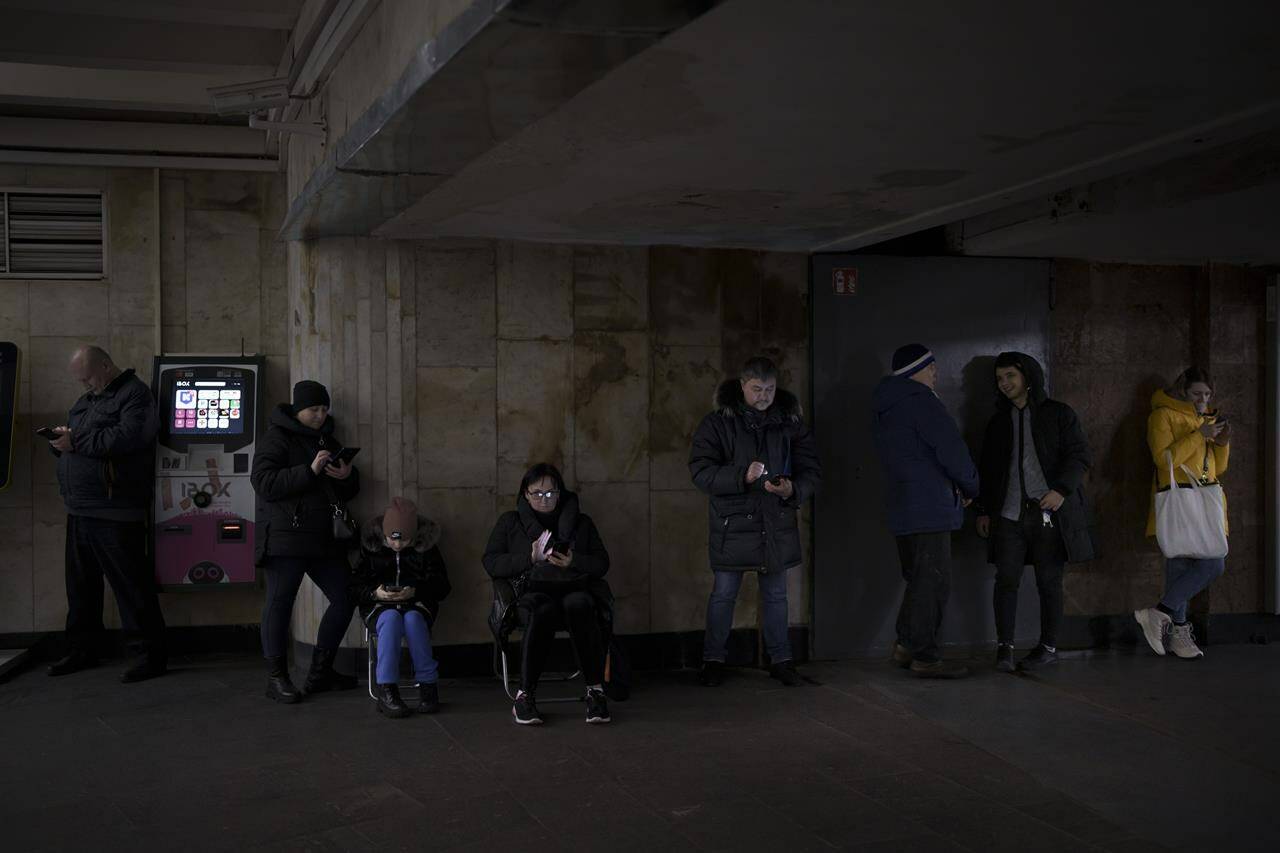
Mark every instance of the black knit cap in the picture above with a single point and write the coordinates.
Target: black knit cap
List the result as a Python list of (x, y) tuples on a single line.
[(911, 359), (307, 394)]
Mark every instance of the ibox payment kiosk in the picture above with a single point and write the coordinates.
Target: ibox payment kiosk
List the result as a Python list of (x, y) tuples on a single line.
[(204, 513)]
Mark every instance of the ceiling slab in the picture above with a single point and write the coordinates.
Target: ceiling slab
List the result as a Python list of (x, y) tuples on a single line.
[(814, 125)]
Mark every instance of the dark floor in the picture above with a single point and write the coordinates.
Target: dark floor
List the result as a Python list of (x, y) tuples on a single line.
[(1124, 753)]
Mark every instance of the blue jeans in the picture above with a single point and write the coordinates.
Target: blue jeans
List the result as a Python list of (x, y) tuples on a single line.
[(1183, 578), (773, 606), (392, 627)]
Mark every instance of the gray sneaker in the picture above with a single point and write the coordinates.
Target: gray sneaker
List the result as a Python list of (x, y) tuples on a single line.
[(1182, 642), (1155, 625)]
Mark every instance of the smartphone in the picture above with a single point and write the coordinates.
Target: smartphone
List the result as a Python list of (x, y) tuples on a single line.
[(47, 433), (560, 546), (346, 454), (775, 480)]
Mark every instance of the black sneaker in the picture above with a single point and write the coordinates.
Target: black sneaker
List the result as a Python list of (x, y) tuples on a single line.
[(1004, 658), (938, 669), (711, 674), (525, 711), (1036, 658), (428, 699), (597, 707), (785, 671)]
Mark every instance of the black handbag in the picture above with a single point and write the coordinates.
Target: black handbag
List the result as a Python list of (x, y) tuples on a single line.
[(344, 526), (503, 616)]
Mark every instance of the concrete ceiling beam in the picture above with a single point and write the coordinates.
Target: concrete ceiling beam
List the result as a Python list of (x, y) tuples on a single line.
[(129, 136), (258, 14), (103, 88), (102, 41)]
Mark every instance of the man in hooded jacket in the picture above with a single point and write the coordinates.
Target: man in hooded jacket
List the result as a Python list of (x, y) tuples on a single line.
[(1032, 508)]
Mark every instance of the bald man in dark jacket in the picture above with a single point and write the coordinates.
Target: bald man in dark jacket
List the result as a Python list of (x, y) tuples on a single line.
[(106, 467)]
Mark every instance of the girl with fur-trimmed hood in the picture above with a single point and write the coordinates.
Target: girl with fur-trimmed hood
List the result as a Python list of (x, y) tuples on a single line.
[(399, 584)]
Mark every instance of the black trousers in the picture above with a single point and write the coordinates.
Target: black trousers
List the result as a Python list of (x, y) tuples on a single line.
[(544, 613), (284, 576), (926, 567), (116, 550), (1015, 544)]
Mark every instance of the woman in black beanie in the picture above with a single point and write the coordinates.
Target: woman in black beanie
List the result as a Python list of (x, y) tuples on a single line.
[(297, 482)]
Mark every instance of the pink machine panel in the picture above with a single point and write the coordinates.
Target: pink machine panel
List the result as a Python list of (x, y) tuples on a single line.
[(204, 509)]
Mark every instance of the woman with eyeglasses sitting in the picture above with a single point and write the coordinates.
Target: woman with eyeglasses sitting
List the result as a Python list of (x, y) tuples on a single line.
[(551, 552)]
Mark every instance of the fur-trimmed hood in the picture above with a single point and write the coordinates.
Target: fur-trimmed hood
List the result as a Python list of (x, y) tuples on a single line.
[(729, 402), (426, 538)]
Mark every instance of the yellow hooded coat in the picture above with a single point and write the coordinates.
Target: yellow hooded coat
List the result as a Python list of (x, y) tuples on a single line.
[(1174, 426)]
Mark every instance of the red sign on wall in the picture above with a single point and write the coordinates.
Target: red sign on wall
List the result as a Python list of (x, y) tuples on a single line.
[(844, 281)]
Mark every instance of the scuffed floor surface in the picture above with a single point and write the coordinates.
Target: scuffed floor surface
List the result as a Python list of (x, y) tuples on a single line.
[(1123, 752)]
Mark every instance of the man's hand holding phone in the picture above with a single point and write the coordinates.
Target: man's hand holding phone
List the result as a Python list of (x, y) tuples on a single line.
[(59, 438), (780, 486), (755, 471)]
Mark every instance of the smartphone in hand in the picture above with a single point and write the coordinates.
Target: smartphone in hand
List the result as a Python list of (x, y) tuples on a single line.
[(346, 454), (47, 433)]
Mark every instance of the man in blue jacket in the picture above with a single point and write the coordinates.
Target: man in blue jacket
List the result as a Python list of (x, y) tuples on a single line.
[(106, 467), (930, 478)]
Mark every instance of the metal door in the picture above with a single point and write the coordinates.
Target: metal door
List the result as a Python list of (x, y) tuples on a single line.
[(966, 310)]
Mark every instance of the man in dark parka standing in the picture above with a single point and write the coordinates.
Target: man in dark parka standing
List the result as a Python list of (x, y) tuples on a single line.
[(757, 461), (1032, 508)]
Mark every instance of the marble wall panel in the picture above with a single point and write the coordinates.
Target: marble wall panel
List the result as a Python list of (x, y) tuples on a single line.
[(611, 288), (456, 427), (535, 408), (684, 383), (684, 296), (611, 398), (535, 291), (621, 514), (466, 517), (456, 323), (224, 286)]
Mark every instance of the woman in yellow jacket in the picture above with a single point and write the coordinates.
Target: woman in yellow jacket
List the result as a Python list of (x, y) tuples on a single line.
[(1181, 423)]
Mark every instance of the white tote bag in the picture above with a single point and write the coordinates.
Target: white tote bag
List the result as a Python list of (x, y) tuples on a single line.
[(1191, 522)]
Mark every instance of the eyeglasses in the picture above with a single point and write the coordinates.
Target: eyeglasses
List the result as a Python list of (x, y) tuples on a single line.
[(543, 496)]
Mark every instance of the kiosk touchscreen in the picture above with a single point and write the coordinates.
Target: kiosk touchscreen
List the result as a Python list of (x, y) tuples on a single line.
[(204, 512)]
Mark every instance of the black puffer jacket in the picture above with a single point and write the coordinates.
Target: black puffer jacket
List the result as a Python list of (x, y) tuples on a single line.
[(752, 529), (1064, 457), (294, 515), (112, 467), (421, 567), (508, 553)]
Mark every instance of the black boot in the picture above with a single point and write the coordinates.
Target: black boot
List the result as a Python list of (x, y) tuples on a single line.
[(428, 699), (152, 666), (322, 676), (390, 703), (73, 662), (279, 687)]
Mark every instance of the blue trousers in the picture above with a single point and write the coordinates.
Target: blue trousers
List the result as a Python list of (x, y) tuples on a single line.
[(1183, 578), (773, 607), (393, 626)]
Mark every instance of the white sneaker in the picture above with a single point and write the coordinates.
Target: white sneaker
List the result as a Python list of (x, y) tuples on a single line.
[(1182, 642), (1155, 625)]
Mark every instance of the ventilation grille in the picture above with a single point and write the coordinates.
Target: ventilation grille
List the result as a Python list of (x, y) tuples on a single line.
[(52, 234)]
